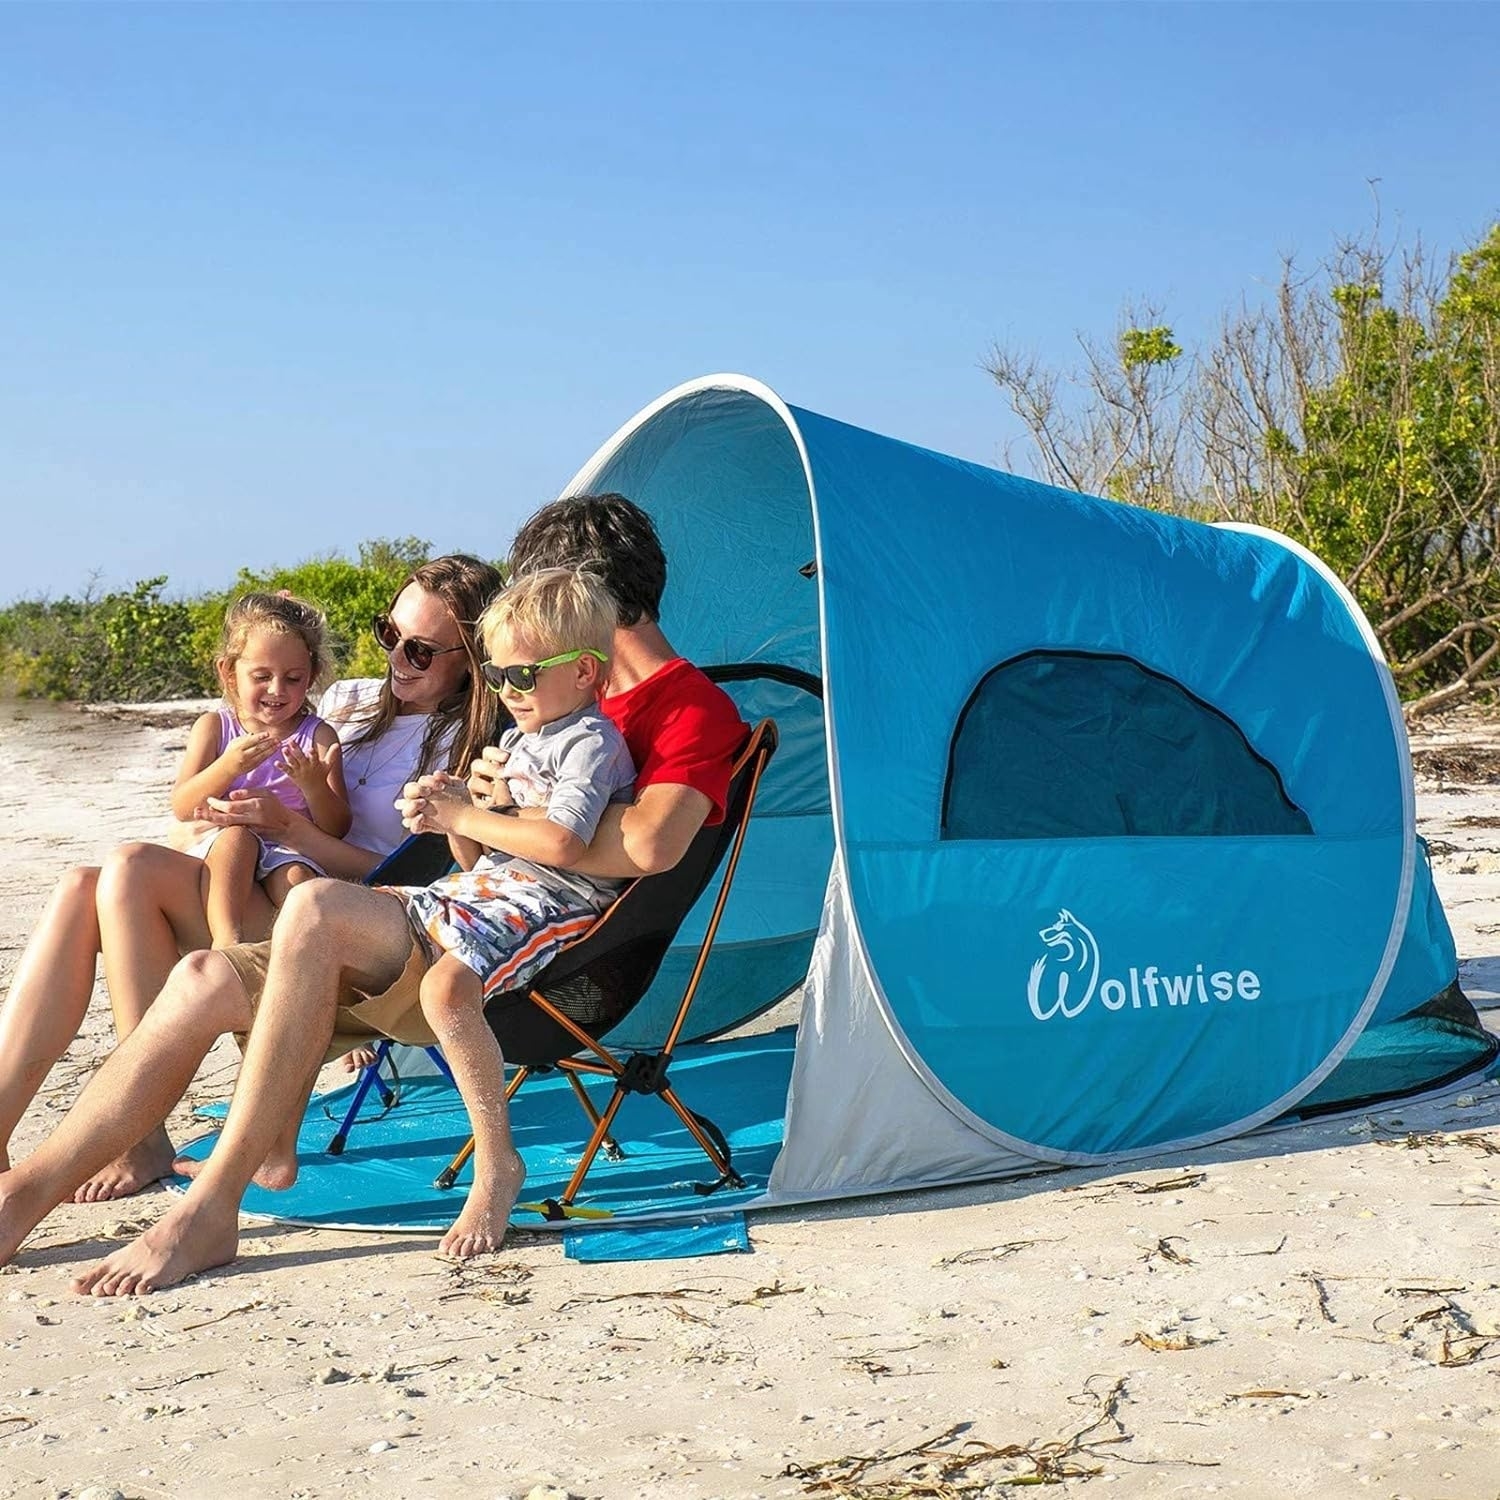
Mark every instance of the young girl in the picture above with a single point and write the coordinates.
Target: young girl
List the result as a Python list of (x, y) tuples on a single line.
[(265, 739)]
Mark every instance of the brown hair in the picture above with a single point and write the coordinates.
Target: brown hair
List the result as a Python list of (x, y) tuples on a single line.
[(465, 585), (607, 534), (277, 614)]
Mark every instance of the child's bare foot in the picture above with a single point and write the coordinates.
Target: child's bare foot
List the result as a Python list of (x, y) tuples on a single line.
[(358, 1060), (478, 1230), (480, 1227), (189, 1238), (129, 1172)]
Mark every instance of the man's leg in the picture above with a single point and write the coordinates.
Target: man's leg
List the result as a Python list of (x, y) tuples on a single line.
[(130, 1096), (453, 1003), (329, 932), (278, 1171)]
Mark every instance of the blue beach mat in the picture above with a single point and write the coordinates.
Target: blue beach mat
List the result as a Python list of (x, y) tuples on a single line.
[(384, 1178), (680, 1239)]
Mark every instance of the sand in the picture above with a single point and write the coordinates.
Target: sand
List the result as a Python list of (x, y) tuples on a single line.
[(1310, 1313)]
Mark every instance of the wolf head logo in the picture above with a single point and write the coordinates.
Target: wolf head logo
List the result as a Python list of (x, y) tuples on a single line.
[(1072, 961)]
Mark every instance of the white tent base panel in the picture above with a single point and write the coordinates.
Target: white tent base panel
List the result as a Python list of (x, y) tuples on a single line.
[(859, 1118)]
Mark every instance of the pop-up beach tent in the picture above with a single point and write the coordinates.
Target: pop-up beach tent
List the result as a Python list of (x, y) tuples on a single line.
[(1099, 841), (1090, 834)]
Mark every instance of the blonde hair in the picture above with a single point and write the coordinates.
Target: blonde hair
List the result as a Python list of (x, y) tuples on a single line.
[(557, 609), (279, 614)]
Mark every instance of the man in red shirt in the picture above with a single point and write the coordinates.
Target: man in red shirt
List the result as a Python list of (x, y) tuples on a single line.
[(682, 731), (342, 959)]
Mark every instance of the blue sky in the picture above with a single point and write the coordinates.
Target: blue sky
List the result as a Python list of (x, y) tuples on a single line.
[(277, 279)]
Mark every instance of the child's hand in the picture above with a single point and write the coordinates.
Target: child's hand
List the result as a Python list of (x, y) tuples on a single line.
[(487, 785), (309, 771), (244, 754), (428, 804)]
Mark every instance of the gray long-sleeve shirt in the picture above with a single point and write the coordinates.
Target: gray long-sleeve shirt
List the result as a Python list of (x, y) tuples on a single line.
[(574, 767)]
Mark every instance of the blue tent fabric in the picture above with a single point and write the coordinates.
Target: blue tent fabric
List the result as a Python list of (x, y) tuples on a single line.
[(1200, 1019), (1428, 960), (1300, 926)]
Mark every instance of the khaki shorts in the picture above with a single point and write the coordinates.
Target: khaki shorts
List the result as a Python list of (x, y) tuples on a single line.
[(395, 1012)]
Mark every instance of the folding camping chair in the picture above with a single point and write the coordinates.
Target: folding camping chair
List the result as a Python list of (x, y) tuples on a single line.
[(593, 984)]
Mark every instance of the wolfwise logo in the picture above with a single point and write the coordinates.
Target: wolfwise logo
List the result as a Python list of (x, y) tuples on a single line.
[(1066, 977)]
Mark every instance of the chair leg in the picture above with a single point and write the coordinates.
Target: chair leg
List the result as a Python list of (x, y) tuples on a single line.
[(710, 1140), (449, 1175), (601, 1130), (716, 1151), (368, 1079), (612, 1148), (601, 1139)]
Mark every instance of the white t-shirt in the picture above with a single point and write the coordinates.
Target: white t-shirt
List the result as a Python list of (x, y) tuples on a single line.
[(375, 770)]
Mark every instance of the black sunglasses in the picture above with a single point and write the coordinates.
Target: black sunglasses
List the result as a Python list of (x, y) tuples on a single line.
[(522, 676), (418, 654)]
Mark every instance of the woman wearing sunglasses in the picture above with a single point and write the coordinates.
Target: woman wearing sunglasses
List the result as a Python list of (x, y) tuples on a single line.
[(144, 908)]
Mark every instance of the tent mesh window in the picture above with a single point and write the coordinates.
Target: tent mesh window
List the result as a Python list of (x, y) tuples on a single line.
[(1070, 745)]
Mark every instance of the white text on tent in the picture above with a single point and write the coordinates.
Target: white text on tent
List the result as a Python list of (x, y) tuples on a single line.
[(1150, 988)]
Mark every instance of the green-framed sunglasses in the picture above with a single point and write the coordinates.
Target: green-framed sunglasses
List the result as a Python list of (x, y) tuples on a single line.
[(522, 677)]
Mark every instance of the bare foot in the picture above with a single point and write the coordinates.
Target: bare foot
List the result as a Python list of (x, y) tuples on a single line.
[(189, 1238), (20, 1213), (277, 1172), (480, 1227), (128, 1173), (358, 1060)]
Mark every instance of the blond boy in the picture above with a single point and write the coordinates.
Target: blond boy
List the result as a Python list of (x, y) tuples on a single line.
[(488, 928)]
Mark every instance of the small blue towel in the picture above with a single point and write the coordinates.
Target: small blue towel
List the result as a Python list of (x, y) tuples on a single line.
[(680, 1240)]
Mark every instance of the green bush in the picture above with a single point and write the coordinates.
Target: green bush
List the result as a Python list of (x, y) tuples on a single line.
[(136, 646), (123, 647)]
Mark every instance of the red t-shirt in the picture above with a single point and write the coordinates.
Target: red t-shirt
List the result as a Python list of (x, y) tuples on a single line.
[(680, 730)]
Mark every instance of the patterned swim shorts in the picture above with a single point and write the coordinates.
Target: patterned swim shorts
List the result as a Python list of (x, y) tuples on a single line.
[(503, 923)]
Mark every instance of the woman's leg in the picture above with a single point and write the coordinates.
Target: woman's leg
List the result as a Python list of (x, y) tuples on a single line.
[(150, 912), (49, 996)]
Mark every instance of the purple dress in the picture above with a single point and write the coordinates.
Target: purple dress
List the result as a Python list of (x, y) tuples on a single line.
[(268, 776)]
